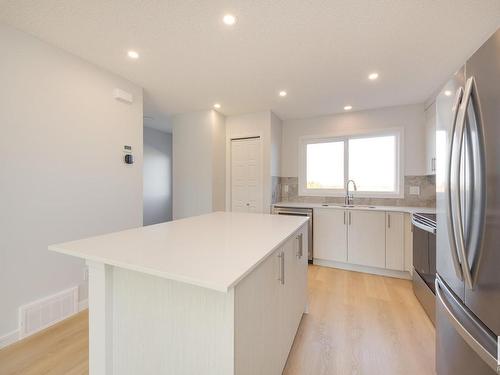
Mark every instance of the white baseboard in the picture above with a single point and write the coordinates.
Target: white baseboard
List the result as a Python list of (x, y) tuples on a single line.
[(9, 338), (365, 269), (83, 305)]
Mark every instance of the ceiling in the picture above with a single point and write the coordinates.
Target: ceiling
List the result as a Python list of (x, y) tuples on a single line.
[(319, 51)]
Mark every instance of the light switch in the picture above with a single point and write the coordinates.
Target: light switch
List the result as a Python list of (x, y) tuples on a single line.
[(415, 190)]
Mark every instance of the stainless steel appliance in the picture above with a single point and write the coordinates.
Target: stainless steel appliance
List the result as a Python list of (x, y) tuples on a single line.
[(300, 211), (424, 261), (468, 216)]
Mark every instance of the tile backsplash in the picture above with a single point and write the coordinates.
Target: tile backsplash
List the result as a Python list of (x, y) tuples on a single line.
[(285, 189)]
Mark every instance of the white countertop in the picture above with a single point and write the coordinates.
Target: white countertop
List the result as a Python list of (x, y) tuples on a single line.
[(214, 251), (410, 210)]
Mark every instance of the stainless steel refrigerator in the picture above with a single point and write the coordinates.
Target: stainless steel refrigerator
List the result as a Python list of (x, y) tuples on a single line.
[(468, 216)]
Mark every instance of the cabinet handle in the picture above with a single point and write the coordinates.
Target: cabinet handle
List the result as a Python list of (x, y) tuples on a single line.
[(388, 220), (349, 217), (300, 251), (344, 217), (281, 278)]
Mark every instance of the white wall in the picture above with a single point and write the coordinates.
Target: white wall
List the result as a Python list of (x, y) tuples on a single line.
[(276, 144), (62, 170), (411, 118), (218, 161), (198, 162), (157, 176)]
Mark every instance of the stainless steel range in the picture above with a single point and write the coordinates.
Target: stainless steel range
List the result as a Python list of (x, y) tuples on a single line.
[(424, 261)]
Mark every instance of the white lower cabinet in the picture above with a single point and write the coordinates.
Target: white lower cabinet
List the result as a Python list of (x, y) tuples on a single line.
[(269, 304), (394, 241), (366, 238), (350, 238), (330, 234)]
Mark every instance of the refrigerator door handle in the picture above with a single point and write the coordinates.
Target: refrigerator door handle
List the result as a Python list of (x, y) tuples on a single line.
[(456, 214), (475, 227), (451, 229), (469, 97), (475, 345)]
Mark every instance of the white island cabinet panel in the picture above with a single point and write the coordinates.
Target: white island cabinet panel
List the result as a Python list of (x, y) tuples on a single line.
[(216, 294), (269, 304), (167, 327)]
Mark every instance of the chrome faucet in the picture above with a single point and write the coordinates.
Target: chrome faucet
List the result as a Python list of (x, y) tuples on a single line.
[(349, 198)]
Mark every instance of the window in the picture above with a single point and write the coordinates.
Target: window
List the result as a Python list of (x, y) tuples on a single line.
[(325, 165), (372, 163), (371, 160)]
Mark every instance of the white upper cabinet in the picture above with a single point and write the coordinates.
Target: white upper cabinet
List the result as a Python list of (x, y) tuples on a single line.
[(394, 237), (330, 234), (430, 139), (366, 238)]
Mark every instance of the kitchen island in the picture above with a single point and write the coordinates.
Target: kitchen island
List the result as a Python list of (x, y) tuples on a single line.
[(221, 293)]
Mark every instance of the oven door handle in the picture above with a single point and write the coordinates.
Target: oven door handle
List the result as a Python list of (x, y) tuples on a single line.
[(423, 226)]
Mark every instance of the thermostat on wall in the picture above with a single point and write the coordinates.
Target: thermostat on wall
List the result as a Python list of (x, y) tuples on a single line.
[(129, 158)]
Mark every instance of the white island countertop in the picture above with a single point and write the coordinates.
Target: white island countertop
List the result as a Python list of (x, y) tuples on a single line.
[(410, 210), (214, 251)]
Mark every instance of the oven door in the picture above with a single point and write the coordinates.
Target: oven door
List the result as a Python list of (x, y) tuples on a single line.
[(424, 269), (421, 261)]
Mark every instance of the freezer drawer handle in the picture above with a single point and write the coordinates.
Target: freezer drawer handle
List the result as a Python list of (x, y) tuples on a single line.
[(462, 331)]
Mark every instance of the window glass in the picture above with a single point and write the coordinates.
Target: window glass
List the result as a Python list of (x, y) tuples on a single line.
[(325, 165), (373, 164)]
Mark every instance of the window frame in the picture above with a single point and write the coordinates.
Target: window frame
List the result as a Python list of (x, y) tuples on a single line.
[(399, 177)]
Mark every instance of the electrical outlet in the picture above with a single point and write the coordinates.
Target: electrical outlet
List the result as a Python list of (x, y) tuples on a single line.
[(415, 190), (285, 188)]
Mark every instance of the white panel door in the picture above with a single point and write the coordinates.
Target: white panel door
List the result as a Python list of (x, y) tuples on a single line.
[(330, 234), (394, 238), (366, 238), (246, 175)]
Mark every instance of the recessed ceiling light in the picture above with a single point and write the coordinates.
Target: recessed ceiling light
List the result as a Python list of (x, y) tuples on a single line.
[(447, 93), (373, 76), (282, 93), (229, 19), (217, 105), (348, 107), (133, 54)]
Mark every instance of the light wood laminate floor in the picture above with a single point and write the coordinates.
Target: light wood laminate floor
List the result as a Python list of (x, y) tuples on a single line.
[(357, 324)]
